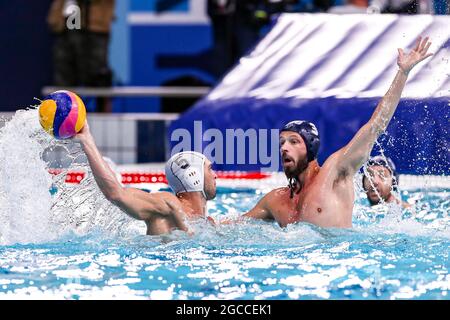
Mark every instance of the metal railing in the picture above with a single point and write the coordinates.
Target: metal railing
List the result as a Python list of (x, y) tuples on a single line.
[(136, 91), (116, 135)]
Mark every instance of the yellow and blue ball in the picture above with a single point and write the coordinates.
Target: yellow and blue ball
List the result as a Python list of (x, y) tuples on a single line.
[(62, 114)]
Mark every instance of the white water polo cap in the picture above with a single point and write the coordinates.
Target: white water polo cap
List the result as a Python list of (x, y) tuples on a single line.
[(185, 172)]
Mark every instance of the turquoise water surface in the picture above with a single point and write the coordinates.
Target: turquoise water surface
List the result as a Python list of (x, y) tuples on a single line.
[(387, 255), (71, 243)]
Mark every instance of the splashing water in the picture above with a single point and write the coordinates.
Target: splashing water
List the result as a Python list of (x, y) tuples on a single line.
[(76, 245), (28, 211), (25, 201), (379, 258)]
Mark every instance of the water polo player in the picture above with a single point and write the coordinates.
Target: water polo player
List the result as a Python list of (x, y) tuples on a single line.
[(324, 195), (189, 174), (380, 180)]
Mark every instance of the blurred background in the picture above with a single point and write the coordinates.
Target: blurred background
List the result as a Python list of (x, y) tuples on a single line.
[(139, 65)]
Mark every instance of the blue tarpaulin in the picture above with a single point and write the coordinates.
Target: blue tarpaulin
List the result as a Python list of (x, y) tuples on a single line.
[(332, 70)]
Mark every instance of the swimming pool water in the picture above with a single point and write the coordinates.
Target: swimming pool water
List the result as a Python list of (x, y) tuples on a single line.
[(388, 254), (71, 243)]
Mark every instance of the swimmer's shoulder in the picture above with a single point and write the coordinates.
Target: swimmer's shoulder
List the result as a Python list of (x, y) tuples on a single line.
[(332, 162), (169, 196), (403, 204), (277, 194), (333, 168), (164, 196), (271, 198), (406, 205)]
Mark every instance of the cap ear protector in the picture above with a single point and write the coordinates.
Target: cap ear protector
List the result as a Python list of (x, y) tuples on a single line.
[(185, 172), (384, 162), (309, 133)]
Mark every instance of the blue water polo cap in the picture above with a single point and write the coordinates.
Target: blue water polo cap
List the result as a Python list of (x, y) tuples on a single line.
[(387, 163), (309, 133)]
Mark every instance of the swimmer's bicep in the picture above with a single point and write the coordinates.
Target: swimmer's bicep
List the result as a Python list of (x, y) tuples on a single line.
[(352, 157)]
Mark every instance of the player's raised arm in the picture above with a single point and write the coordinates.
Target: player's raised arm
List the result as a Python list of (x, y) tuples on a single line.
[(353, 155)]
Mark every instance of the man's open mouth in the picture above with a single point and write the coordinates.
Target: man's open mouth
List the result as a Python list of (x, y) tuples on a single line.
[(287, 160)]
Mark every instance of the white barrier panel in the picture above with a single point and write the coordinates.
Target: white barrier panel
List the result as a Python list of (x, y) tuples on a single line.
[(309, 56)]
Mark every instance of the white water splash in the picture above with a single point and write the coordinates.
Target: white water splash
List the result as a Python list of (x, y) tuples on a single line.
[(28, 211), (24, 197)]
